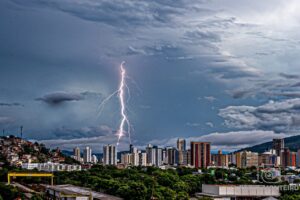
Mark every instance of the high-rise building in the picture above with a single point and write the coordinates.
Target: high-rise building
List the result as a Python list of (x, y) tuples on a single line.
[(298, 158), (200, 154), (232, 158), (126, 158), (94, 159), (151, 155), (142, 159), (172, 155), (278, 145), (293, 159), (288, 158), (220, 159), (238, 159), (164, 156), (87, 155), (181, 147), (268, 159), (109, 155), (181, 144), (76, 153), (249, 159), (285, 157), (186, 157), (158, 156)]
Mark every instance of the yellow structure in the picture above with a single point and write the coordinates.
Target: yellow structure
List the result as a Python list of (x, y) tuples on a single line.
[(31, 174)]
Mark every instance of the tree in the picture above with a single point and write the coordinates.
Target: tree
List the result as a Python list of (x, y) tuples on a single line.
[(181, 186), (182, 196), (205, 198)]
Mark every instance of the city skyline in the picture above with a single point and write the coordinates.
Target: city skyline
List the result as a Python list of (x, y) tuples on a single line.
[(225, 73)]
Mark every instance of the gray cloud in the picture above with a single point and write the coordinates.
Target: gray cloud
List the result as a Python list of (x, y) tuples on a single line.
[(210, 98), (210, 124), (198, 36), (60, 97), (69, 133), (11, 104), (289, 76), (119, 13), (96, 143), (6, 120), (281, 116), (190, 124)]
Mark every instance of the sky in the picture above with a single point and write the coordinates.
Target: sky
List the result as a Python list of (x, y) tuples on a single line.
[(220, 71)]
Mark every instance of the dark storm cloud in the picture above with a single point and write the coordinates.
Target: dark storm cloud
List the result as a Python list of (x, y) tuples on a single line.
[(176, 50), (118, 12), (60, 97), (11, 104), (200, 36), (289, 76)]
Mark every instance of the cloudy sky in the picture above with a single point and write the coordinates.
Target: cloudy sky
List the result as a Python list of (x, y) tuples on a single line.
[(226, 72)]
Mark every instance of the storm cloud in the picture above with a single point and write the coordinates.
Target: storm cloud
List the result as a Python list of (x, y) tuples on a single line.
[(242, 58), (60, 97), (281, 116)]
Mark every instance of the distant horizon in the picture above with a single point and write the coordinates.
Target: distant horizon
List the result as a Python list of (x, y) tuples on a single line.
[(213, 151)]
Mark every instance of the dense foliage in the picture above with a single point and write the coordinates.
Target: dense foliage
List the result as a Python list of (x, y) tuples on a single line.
[(138, 183)]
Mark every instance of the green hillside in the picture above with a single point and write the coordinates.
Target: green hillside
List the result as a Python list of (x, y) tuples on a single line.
[(293, 143)]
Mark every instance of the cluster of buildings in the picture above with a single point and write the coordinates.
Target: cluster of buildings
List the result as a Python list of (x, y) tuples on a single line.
[(25, 154), (16, 151), (277, 156), (51, 167), (198, 155), (88, 157)]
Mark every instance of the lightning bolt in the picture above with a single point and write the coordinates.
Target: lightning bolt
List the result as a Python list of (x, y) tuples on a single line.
[(124, 118), (125, 126)]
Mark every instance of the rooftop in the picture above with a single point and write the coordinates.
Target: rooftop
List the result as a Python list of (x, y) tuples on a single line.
[(71, 189)]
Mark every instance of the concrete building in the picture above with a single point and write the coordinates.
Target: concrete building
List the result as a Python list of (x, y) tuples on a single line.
[(109, 155), (220, 159), (158, 156), (181, 144), (298, 158), (232, 158), (76, 154), (238, 159), (87, 155), (126, 159), (268, 159), (51, 167), (278, 145), (249, 159), (186, 158), (142, 159), (200, 154), (150, 151), (172, 156), (71, 192), (94, 159), (240, 192), (181, 147)]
